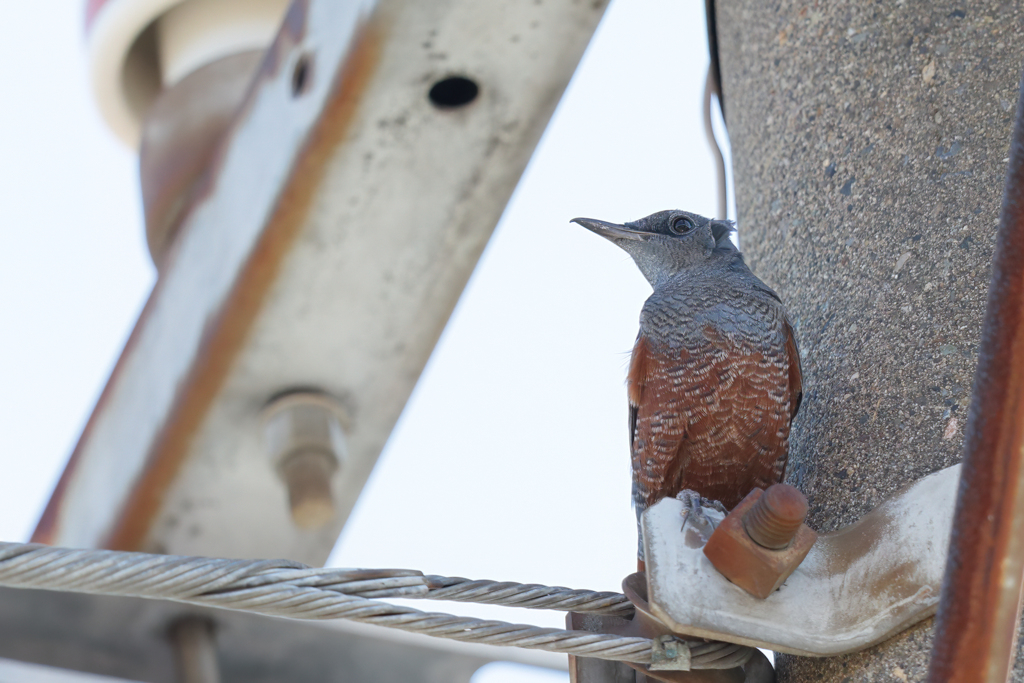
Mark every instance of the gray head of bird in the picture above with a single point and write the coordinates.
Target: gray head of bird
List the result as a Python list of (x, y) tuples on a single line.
[(666, 243)]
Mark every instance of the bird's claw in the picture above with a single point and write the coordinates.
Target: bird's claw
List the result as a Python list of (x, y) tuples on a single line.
[(693, 511), (696, 501)]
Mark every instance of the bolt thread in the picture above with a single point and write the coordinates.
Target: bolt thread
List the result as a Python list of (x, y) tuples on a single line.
[(774, 519)]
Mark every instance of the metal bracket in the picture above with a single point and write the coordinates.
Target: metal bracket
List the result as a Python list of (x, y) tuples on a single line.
[(857, 587), (677, 655)]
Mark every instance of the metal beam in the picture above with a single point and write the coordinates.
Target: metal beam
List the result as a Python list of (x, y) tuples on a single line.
[(336, 230)]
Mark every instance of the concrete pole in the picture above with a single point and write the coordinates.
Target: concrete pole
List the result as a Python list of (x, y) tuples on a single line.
[(869, 142)]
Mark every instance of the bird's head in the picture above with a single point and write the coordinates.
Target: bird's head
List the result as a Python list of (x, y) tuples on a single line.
[(666, 242)]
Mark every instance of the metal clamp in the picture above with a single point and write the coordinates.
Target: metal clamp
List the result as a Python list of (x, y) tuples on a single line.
[(681, 660), (857, 586)]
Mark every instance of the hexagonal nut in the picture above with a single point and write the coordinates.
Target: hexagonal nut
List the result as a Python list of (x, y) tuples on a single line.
[(754, 568)]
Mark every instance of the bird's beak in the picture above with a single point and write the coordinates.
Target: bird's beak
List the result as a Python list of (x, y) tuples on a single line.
[(612, 231)]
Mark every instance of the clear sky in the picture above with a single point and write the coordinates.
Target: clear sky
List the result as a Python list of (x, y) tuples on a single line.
[(511, 460)]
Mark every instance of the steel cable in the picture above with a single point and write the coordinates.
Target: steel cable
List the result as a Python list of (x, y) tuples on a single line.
[(531, 596), (284, 588), (290, 589)]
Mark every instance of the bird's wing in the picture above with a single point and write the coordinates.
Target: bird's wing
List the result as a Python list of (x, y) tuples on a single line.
[(635, 384), (796, 378)]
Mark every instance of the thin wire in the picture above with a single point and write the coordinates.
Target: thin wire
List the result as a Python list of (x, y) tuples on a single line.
[(710, 89), (532, 596)]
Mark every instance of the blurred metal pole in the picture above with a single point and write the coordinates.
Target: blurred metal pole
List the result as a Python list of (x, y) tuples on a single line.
[(195, 648), (978, 614)]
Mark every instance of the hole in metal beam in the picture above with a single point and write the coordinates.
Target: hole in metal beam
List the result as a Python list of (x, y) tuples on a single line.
[(454, 91)]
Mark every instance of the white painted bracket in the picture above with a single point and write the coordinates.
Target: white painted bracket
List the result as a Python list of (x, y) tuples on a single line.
[(857, 587)]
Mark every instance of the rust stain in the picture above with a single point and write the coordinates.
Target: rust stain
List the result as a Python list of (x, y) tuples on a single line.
[(291, 32), (225, 336)]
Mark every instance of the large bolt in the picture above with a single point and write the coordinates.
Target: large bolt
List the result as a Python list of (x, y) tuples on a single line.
[(775, 518), (306, 442), (308, 473), (763, 540)]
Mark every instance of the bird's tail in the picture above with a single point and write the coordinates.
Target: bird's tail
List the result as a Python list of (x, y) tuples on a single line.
[(639, 506)]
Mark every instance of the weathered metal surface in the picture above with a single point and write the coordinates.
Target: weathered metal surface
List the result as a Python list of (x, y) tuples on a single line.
[(201, 309), (326, 252), (978, 614), (856, 587), (131, 638)]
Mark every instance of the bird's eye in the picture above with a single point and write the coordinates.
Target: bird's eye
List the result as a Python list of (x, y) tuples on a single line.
[(681, 225)]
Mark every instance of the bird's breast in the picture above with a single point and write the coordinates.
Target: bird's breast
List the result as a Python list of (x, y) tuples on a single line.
[(693, 320)]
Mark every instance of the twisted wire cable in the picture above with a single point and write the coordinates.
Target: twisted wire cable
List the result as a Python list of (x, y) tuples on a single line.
[(529, 595), (284, 588), (181, 578), (718, 655), (291, 589)]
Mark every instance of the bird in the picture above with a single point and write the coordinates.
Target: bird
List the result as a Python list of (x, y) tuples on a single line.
[(714, 379)]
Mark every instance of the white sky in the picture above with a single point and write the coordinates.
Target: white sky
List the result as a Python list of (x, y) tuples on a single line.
[(511, 460)]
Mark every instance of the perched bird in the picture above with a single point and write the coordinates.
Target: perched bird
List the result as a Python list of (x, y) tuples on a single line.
[(714, 380)]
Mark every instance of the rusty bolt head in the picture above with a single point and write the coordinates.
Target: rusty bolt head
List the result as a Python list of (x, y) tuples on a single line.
[(776, 516), (749, 564)]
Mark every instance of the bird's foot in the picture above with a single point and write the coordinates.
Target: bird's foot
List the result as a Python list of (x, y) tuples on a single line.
[(694, 515)]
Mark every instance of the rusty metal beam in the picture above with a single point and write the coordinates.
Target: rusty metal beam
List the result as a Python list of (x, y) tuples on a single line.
[(979, 608), (225, 341), (324, 250)]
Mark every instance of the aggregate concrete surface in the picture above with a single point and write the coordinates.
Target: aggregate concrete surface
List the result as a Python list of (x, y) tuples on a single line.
[(869, 146)]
